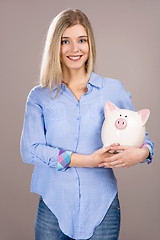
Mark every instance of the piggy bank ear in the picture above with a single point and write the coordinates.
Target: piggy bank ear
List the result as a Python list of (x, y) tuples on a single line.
[(109, 107), (144, 114)]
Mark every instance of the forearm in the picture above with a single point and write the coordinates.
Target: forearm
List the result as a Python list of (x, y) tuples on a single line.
[(148, 153), (79, 160), (145, 153), (92, 160), (38, 154)]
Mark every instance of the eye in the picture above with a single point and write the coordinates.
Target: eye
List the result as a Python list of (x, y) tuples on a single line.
[(83, 40), (64, 42), (120, 115), (125, 116)]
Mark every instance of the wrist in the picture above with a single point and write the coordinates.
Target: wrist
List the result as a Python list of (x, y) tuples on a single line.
[(145, 152), (79, 160)]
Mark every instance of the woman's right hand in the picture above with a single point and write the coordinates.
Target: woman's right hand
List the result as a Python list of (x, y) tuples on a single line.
[(93, 160), (102, 155)]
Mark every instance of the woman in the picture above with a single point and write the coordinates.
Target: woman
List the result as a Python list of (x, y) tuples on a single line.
[(62, 137)]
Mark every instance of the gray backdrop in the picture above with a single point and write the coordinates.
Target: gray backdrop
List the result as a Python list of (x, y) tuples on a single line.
[(127, 36)]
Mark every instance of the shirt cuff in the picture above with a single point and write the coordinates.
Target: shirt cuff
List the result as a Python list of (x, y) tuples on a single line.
[(63, 160), (148, 160)]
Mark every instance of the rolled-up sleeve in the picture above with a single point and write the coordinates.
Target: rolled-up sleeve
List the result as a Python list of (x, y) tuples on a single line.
[(34, 149)]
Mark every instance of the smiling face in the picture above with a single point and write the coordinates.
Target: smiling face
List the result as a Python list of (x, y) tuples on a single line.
[(74, 48)]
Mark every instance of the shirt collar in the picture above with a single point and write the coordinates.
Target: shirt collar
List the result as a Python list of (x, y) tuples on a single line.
[(95, 80)]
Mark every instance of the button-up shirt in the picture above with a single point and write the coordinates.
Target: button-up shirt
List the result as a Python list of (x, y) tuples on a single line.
[(79, 197)]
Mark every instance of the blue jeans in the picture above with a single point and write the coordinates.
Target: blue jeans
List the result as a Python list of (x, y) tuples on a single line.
[(47, 228)]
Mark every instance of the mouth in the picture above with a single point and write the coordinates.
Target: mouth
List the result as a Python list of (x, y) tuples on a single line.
[(75, 58)]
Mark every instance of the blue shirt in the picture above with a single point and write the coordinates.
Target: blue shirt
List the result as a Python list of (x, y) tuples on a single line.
[(79, 197)]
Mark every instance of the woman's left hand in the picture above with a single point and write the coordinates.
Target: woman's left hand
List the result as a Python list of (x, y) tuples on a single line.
[(129, 156)]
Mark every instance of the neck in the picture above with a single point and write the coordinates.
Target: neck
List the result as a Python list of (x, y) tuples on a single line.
[(76, 79)]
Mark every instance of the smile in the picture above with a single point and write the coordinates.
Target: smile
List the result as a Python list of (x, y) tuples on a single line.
[(75, 58)]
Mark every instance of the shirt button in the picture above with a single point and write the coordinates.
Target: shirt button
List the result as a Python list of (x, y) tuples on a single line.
[(77, 138), (78, 118)]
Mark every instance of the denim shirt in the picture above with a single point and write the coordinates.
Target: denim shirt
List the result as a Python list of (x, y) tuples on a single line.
[(79, 197)]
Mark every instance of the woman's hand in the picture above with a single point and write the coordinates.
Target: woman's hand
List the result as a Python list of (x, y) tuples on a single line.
[(93, 160), (102, 155), (127, 157)]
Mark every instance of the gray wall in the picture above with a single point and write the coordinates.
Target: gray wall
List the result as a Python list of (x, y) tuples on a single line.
[(127, 35)]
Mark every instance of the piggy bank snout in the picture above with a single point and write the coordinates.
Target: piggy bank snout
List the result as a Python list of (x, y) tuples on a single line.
[(120, 123)]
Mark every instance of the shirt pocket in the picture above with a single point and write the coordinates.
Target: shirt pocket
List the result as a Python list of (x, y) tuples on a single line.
[(55, 111), (97, 113)]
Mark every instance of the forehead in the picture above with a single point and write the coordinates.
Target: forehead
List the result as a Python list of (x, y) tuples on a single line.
[(75, 31)]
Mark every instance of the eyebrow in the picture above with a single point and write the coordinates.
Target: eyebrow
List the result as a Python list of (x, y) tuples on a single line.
[(78, 37)]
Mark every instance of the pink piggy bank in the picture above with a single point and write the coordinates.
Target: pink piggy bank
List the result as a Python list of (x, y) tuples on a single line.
[(124, 126)]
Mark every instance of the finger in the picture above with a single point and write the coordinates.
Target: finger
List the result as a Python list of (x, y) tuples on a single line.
[(111, 147), (114, 147), (117, 163), (113, 158), (115, 144), (106, 148), (105, 165), (118, 166), (122, 147), (107, 162)]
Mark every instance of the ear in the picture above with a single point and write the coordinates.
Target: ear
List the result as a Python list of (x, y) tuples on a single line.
[(144, 115), (109, 107)]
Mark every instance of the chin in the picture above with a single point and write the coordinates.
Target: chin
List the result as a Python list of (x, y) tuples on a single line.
[(71, 67)]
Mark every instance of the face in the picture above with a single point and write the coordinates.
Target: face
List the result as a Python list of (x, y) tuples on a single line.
[(74, 48)]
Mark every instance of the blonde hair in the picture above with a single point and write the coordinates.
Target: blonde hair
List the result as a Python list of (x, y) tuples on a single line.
[(51, 70)]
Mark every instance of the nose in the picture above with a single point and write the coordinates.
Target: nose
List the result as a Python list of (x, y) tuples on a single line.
[(121, 123), (75, 47)]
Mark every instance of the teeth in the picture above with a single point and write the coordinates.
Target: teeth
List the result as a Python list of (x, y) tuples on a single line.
[(74, 58)]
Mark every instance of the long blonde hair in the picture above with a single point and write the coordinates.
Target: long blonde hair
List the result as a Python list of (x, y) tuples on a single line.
[(51, 70)]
